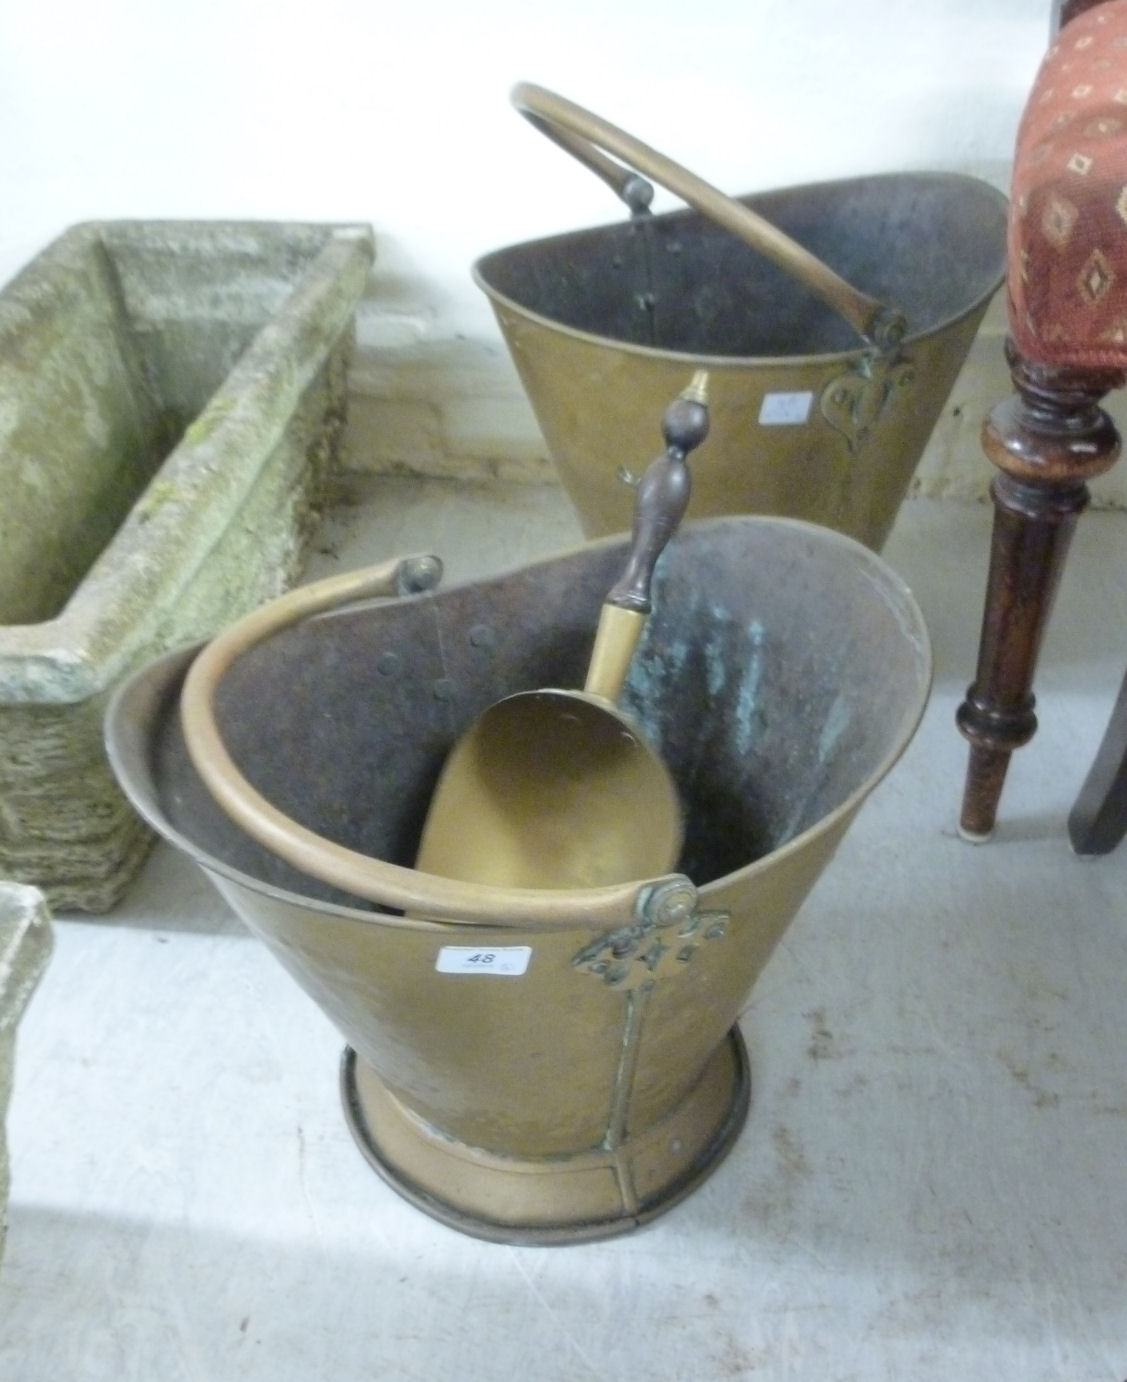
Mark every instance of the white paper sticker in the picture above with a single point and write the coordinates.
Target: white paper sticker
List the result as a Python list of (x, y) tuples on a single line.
[(506, 960), (785, 409)]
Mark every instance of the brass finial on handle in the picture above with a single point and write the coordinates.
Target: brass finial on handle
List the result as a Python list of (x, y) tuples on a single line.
[(696, 391)]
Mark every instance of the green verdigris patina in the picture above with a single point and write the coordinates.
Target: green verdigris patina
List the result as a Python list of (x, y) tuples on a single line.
[(171, 401)]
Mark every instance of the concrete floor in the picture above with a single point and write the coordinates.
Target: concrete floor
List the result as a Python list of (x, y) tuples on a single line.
[(932, 1183)]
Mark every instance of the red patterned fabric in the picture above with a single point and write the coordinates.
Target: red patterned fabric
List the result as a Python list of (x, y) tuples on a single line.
[(1068, 213)]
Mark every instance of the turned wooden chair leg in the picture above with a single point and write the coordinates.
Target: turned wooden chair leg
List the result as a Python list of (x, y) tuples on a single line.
[(1033, 526), (1048, 441)]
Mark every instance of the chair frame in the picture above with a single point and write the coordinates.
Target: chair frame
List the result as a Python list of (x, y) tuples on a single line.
[(1048, 440)]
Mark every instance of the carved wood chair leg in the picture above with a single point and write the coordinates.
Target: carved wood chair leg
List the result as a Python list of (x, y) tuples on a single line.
[(1033, 526), (1048, 441), (1098, 820)]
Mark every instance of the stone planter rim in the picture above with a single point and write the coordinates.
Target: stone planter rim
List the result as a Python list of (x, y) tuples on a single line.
[(97, 635)]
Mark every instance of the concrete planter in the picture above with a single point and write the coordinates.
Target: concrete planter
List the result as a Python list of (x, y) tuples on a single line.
[(25, 944), (171, 401)]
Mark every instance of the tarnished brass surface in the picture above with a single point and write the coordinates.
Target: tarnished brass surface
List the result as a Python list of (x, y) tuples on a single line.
[(781, 673), (552, 789), (616, 639), (808, 419), (562, 1199)]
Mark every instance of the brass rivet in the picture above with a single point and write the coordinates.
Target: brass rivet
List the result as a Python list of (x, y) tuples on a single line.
[(677, 905)]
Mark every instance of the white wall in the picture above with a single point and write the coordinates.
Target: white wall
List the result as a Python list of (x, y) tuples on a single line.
[(399, 116)]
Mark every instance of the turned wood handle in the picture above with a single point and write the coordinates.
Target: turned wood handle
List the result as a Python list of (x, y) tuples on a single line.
[(662, 498)]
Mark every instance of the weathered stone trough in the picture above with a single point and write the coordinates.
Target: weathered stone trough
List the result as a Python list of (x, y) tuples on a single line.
[(25, 945), (171, 400)]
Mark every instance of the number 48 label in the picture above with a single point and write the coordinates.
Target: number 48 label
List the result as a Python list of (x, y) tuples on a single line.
[(506, 960)]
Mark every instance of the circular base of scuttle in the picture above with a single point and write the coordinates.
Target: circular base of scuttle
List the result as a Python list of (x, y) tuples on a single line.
[(593, 1194)]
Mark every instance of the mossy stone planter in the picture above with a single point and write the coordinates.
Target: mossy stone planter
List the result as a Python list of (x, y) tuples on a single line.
[(171, 400), (25, 945)]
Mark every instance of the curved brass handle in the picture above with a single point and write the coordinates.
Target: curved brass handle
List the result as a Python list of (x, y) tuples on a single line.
[(421, 896), (589, 138)]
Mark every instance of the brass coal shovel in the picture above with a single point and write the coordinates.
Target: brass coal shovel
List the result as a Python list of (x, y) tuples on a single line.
[(559, 789)]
